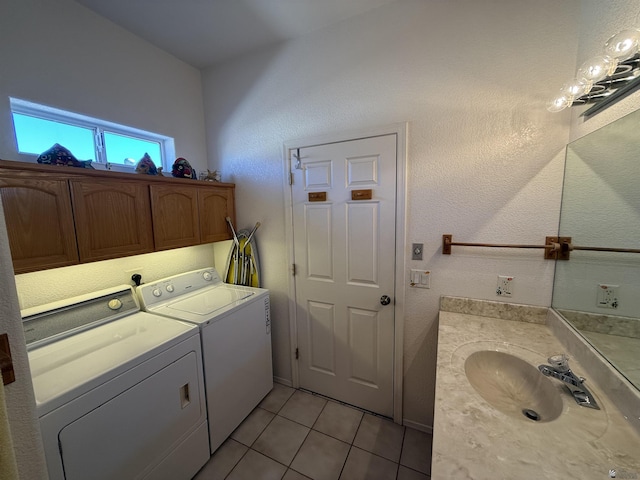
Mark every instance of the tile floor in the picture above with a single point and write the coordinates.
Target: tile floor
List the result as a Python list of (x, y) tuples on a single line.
[(294, 435)]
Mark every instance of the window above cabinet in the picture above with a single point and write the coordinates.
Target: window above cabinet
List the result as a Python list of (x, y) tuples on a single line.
[(110, 145)]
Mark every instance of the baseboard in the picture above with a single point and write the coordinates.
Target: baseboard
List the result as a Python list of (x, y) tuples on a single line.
[(418, 426), (283, 381)]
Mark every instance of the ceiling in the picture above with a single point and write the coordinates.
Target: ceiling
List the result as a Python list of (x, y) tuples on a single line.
[(206, 32)]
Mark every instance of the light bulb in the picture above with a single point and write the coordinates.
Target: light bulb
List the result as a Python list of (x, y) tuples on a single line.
[(559, 103), (576, 88), (596, 69), (624, 45)]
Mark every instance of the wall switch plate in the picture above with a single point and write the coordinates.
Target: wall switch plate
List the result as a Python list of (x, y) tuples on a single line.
[(607, 296), (416, 251), (420, 279), (505, 286)]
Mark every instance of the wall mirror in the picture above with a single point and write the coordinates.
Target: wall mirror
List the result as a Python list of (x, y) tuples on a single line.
[(598, 292)]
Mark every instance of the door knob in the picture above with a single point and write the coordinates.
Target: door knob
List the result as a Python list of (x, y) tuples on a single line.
[(385, 299)]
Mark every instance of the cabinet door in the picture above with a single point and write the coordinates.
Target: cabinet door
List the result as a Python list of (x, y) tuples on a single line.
[(216, 204), (113, 219), (175, 216), (39, 222)]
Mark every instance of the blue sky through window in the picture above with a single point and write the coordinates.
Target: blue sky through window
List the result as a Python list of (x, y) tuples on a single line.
[(120, 148), (36, 135)]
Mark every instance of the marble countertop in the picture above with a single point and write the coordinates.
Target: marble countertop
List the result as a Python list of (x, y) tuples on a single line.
[(473, 440)]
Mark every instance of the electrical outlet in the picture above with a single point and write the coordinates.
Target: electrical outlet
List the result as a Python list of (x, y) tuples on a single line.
[(505, 286), (608, 296), (129, 273)]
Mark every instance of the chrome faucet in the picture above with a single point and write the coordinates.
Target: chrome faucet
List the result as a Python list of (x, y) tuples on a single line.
[(559, 368)]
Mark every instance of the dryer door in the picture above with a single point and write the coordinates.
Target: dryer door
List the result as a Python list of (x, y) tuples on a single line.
[(133, 431)]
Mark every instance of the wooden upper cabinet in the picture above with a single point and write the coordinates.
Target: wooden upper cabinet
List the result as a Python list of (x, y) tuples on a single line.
[(60, 216), (39, 219), (175, 216), (189, 215), (112, 218), (215, 205)]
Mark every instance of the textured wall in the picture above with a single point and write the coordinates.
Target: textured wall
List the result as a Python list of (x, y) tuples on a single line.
[(485, 157), (61, 54)]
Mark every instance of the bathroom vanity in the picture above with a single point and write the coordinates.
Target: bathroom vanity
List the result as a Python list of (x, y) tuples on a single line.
[(497, 417)]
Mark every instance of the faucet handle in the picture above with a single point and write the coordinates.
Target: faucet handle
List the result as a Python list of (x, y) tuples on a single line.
[(559, 362)]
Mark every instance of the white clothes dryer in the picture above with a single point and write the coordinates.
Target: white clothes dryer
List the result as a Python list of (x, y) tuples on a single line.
[(235, 330), (119, 392)]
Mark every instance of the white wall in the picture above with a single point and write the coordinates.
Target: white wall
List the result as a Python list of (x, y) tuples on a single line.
[(60, 54), (485, 157)]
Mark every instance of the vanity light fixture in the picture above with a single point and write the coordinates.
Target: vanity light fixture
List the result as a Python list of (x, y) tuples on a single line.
[(601, 76)]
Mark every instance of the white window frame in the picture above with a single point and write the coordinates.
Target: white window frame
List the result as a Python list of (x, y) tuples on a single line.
[(99, 127)]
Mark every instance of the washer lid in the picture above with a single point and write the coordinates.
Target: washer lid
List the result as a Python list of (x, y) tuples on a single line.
[(69, 367), (208, 301)]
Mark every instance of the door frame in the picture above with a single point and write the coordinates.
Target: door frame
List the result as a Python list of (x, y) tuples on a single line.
[(401, 131)]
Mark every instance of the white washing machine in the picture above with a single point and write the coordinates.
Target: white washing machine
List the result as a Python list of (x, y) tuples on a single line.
[(119, 392), (235, 330)]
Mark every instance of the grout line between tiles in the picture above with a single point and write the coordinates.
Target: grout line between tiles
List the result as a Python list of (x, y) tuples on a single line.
[(239, 460), (351, 444), (346, 404)]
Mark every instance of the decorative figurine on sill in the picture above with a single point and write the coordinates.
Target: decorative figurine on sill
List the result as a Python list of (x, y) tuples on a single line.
[(146, 166), (214, 176), (182, 169), (59, 155)]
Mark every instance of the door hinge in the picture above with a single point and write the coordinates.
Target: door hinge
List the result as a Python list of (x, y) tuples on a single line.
[(290, 178), (297, 353), (293, 269)]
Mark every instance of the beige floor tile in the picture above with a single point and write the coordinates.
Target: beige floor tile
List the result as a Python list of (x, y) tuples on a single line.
[(252, 426), (276, 398), (339, 421), (380, 436), (321, 457), (363, 465), (416, 451), (281, 440), (405, 473), (255, 466), (222, 461), (303, 408), (293, 475)]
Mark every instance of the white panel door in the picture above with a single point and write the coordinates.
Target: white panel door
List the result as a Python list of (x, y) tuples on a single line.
[(345, 264)]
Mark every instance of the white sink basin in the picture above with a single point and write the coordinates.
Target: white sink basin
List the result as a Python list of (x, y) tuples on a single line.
[(513, 386)]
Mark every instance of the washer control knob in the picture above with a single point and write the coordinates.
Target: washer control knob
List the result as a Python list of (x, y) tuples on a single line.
[(115, 304), (156, 292), (170, 288), (207, 276)]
